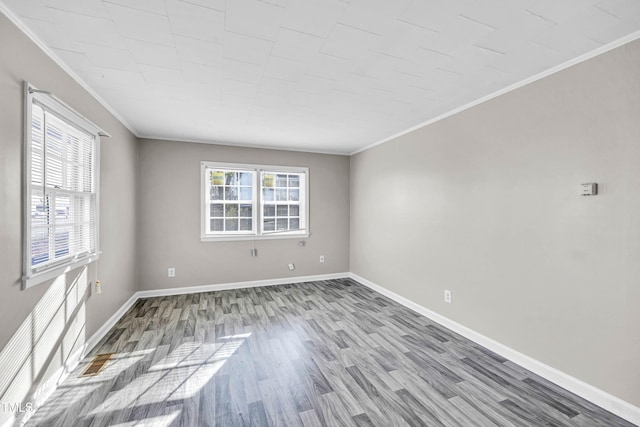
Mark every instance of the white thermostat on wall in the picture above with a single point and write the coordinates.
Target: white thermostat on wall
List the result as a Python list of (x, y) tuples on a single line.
[(590, 189)]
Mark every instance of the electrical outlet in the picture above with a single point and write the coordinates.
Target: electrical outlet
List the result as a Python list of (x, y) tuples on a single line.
[(292, 267), (171, 272), (447, 296), (321, 258)]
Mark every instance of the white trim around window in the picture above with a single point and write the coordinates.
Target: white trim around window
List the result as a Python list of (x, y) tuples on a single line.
[(252, 202), (60, 188)]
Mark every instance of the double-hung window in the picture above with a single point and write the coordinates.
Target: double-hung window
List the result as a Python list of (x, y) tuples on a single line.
[(253, 201), (61, 188)]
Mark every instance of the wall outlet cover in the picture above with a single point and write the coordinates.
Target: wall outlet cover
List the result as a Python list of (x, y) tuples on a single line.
[(447, 296)]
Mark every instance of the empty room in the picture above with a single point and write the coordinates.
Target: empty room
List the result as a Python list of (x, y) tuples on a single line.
[(320, 213)]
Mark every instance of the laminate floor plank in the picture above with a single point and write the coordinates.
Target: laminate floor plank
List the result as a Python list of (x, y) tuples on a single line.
[(348, 389), (482, 402), (362, 420), (371, 369), (437, 405), (325, 353), (309, 419), (472, 414), (279, 405), (334, 412), (417, 407)]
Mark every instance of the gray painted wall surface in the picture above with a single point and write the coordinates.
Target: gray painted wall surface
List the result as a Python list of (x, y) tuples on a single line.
[(485, 203), (169, 222), (21, 59)]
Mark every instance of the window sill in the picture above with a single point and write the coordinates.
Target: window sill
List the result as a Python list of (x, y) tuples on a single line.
[(254, 237), (41, 277)]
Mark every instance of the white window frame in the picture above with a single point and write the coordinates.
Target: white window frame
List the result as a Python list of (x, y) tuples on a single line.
[(257, 203), (35, 275)]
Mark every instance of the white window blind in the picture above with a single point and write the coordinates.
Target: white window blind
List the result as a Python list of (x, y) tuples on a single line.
[(61, 227)]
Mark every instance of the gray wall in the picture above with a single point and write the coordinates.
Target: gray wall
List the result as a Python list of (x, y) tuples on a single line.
[(169, 222), (485, 203), (65, 301)]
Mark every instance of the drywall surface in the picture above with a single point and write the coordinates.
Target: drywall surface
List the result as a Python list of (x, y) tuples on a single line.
[(485, 203), (42, 326), (169, 223)]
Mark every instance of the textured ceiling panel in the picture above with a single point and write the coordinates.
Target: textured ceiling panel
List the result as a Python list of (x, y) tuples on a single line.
[(316, 75)]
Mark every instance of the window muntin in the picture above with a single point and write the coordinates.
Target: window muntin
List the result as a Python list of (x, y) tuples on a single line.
[(61, 181), (253, 201)]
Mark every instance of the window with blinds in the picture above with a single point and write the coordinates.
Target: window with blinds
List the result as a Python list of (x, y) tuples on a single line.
[(62, 190)]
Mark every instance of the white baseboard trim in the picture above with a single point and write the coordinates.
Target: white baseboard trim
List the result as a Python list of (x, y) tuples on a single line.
[(238, 285), (599, 397), (110, 323)]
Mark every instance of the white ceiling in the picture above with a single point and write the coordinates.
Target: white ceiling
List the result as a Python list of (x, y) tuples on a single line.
[(316, 75)]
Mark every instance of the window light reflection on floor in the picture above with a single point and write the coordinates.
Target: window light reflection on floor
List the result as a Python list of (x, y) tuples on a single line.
[(79, 389), (179, 375)]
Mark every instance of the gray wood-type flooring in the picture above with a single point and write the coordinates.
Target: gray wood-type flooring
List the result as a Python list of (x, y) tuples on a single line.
[(326, 353)]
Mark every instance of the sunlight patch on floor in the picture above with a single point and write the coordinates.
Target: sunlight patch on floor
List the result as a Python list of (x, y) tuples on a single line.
[(179, 375)]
